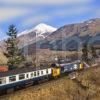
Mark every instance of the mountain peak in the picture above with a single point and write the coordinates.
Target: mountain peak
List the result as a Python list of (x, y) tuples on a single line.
[(92, 20), (43, 28), (41, 25), (39, 29)]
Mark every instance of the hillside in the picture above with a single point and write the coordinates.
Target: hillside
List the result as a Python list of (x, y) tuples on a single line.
[(49, 39), (69, 37), (35, 34), (90, 27), (85, 87), (44, 35)]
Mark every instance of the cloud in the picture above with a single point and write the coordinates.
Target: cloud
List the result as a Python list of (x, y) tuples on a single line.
[(36, 19), (97, 12), (55, 2), (72, 11), (10, 13), (43, 2), (58, 13), (38, 14)]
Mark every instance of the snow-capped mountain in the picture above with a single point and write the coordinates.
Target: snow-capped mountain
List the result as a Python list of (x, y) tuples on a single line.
[(40, 30), (37, 33), (44, 37), (43, 28), (23, 33)]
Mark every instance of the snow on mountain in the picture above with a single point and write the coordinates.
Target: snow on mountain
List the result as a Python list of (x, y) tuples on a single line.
[(40, 30), (43, 28), (23, 33)]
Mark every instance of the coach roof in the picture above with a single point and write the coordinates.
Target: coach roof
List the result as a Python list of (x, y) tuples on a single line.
[(20, 70)]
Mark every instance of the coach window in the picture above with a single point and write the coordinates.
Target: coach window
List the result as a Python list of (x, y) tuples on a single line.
[(12, 78), (2, 80), (21, 76), (47, 71), (34, 73), (37, 73), (27, 75), (41, 72)]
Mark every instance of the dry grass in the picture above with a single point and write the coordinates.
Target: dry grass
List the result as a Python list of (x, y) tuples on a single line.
[(48, 56), (3, 59), (49, 91), (43, 56)]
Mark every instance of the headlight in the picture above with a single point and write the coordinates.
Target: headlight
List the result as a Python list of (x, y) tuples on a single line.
[(75, 66)]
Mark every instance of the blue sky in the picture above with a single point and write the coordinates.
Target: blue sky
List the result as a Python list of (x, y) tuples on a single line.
[(26, 14)]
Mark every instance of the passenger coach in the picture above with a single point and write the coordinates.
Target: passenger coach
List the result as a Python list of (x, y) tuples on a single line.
[(21, 77)]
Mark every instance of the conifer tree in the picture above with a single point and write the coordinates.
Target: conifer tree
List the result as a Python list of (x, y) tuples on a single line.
[(93, 52), (85, 52), (13, 53)]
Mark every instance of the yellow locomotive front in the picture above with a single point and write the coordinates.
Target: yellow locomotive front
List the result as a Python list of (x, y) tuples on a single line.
[(56, 70), (81, 66)]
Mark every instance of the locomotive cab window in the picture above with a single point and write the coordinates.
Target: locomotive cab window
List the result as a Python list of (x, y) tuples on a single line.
[(12, 78), (21, 76)]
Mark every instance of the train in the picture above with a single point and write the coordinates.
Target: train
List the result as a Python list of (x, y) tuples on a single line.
[(18, 78)]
